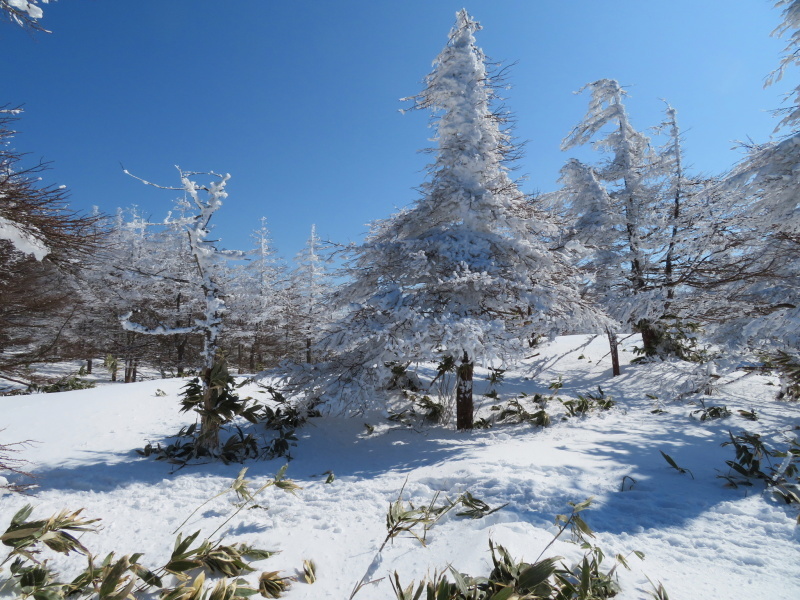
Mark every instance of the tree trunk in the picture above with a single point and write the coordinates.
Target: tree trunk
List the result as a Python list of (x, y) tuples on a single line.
[(180, 353), (209, 428), (614, 349), (464, 405), (89, 366), (308, 350), (650, 337)]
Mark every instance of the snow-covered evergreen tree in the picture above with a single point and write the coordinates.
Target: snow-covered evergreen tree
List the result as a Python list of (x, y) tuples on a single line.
[(255, 304), (42, 245), (313, 286), (627, 213), (460, 273)]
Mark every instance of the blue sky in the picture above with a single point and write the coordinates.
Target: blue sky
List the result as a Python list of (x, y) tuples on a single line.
[(298, 99)]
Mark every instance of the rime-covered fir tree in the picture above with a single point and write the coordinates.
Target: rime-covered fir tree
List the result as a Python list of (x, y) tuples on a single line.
[(461, 274), (313, 286), (255, 303)]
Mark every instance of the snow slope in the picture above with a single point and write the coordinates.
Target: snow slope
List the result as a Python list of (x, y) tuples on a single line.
[(701, 539)]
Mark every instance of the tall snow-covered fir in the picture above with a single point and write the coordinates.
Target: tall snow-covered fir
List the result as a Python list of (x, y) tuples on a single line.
[(313, 286), (462, 273)]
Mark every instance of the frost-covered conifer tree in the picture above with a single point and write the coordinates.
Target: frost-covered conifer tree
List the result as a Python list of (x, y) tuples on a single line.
[(760, 275), (313, 285), (130, 276), (255, 303), (460, 273), (620, 210)]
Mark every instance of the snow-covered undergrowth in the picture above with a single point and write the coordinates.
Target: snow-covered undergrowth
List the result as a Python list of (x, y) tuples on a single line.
[(700, 538)]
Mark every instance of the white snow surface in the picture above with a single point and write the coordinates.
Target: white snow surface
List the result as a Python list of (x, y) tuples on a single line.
[(700, 539)]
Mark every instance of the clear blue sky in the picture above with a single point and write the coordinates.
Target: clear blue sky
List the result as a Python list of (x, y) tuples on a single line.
[(298, 99)]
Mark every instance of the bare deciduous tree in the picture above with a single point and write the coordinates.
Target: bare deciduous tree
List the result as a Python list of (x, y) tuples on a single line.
[(42, 243)]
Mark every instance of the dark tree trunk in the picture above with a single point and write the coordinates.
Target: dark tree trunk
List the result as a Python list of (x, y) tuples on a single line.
[(464, 405), (209, 427), (180, 346), (180, 354), (650, 337), (89, 366), (130, 369), (308, 350), (614, 349)]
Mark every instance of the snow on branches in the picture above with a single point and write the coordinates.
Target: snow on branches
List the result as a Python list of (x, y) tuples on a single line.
[(206, 199), (25, 13), (464, 272)]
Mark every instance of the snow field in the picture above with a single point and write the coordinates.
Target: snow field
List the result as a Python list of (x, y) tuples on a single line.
[(700, 539)]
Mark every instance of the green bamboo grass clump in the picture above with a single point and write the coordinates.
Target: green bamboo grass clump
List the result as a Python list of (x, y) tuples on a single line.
[(545, 578), (25, 574)]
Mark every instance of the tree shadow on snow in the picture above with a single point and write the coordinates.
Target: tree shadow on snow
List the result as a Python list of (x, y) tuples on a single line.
[(338, 445)]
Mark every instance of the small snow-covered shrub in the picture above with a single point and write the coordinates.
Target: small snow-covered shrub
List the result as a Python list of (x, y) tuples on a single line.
[(515, 412), (111, 364), (433, 411), (63, 384), (402, 378), (403, 518), (496, 376), (671, 336)]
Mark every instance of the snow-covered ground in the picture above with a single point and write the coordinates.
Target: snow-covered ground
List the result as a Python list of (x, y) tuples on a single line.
[(700, 539)]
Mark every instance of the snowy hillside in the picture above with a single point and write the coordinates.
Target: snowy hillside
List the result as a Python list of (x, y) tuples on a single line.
[(702, 540)]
